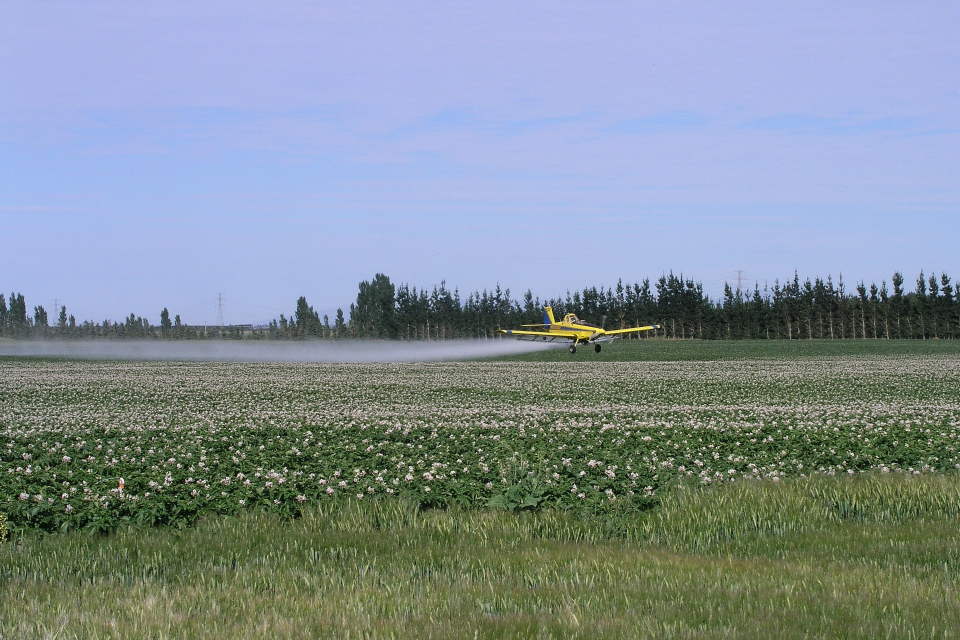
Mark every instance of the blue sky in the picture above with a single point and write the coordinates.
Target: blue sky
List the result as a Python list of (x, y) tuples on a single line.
[(158, 153)]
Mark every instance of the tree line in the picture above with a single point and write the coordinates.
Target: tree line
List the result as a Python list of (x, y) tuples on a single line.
[(817, 309), (794, 309), (15, 322)]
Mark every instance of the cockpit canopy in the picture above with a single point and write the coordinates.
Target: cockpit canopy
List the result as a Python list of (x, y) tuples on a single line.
[(573, 319)]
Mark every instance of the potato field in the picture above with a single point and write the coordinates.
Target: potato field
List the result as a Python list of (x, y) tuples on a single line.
[(190, 439)]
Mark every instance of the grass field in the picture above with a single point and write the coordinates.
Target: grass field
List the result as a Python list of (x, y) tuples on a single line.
[(755, 560), (658, 489), (653, 350)]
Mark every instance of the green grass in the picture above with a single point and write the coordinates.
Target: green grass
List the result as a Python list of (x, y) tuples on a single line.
[(824, 557), (659, 350)]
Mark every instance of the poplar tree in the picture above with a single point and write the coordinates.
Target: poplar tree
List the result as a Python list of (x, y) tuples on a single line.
[(306, 319), (166, 327), (897, 302), (374, 314)]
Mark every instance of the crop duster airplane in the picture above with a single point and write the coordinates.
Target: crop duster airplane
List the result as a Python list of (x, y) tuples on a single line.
[(572, 328)]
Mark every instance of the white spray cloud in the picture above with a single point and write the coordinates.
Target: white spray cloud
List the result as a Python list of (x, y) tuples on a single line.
[(231, 351)]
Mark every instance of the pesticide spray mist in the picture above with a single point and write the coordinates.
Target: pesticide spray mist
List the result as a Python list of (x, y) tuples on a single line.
[(230, 351)]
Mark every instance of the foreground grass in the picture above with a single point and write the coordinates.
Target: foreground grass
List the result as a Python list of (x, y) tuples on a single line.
[(864, 558)]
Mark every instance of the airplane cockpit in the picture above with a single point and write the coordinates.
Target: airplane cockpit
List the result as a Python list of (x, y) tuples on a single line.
[(573, 319)]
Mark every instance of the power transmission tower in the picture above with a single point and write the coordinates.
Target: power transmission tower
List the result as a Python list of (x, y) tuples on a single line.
[(740, 274), (220, 301)]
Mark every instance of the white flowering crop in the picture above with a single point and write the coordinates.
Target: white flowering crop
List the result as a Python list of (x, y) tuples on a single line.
[(193, 438)]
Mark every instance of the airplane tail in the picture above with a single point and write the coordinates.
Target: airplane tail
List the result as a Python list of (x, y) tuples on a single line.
[(548, 316)]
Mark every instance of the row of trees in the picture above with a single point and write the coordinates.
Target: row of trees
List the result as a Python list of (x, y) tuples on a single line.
[(818, 309), (16, 323), (822, 309)]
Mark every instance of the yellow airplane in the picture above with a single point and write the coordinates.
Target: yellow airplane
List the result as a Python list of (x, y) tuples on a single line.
[(572, 328)]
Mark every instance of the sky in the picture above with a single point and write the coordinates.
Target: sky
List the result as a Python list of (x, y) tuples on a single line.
[(159, 153)]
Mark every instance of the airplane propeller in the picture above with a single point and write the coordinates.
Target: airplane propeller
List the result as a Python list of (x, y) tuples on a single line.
[(597, 334)]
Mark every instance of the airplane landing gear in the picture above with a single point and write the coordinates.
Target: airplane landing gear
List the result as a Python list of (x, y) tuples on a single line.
[(573, 348), (596, 348)]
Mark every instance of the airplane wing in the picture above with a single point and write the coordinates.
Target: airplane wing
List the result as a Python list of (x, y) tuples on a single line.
[(547, 334), (620, 331)]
